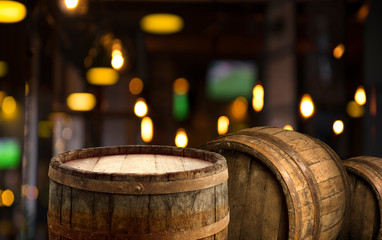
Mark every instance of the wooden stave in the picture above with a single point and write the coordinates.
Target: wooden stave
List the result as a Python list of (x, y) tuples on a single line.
[(362, 167), (252, 132), (221, 208)]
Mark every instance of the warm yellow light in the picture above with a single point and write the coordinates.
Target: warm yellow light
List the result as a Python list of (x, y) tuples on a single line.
[(102, 76), (306, 106), (3, 68), (181, 86), (136, 86), (354, 110), (161, 23), (338, 51), (12, 11), (223, 124), (9, 105), (7, 198), (117, 62), (147, 129), (181, 139), (338, 127), (360, 96), (258, 98), (81, 101), (239, 108), (288, 127), (140, 107), (70, 4)]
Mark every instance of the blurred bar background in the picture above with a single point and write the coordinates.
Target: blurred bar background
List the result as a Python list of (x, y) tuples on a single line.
[(88, 73)]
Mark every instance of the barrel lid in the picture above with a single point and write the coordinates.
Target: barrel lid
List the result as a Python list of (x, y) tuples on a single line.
[(206, 169)]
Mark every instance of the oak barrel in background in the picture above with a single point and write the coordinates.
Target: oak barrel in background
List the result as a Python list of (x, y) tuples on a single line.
[(138, 192), (364, 219), (282, 185)]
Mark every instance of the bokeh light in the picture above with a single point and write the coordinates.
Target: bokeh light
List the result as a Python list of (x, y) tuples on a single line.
[(239, 108), (339, 51), (306, 106), (147, 129), (135, 86), (288, 127), (354, 110), (102, 76), (29, 191), (140, 107), (223, 124), (81, 101), (70, 4), (338, 127), (360, 95), (258, 98), (161, 23), (181, 86), (181, 139), (12, 11), (7, 198)]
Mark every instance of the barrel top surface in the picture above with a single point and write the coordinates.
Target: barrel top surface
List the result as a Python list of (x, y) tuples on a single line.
[(139, 163)]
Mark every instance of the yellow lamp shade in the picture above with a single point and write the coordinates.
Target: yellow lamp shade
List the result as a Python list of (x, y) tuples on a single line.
[(162, 23), (102, 76), (81, 101), (12, 11)]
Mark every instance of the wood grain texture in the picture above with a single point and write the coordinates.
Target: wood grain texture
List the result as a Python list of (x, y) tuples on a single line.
[(282, 185), (364, 220), (83, 214)]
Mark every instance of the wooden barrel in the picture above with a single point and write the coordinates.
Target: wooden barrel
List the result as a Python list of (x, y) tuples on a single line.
[(364, 219), (138, 192), (282, 185)]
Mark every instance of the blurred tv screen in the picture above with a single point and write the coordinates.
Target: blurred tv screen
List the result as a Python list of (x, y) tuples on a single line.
[(229, 79)]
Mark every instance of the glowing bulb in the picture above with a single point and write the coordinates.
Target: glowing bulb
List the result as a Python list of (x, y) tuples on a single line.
[(181, 139), (136, 86), (81, 101), (181, 86), (140, 108), (360, 96), (288, 127), (147, 129), (12, 11), (223, 124), (70, 4), (7, 198), (338, 51), (9, 105), (117, 62), (161, 23), (338, 127), (306, 106)]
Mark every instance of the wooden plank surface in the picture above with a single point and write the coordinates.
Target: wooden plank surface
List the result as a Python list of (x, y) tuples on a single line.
[(139, 163)]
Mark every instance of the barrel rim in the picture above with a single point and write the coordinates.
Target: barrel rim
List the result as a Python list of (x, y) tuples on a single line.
[(363, 173), (219, 163)]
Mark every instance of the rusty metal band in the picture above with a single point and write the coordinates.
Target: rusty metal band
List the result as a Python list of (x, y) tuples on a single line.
[(284, 174), (194, 233), (137, 188), (308, 175)]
